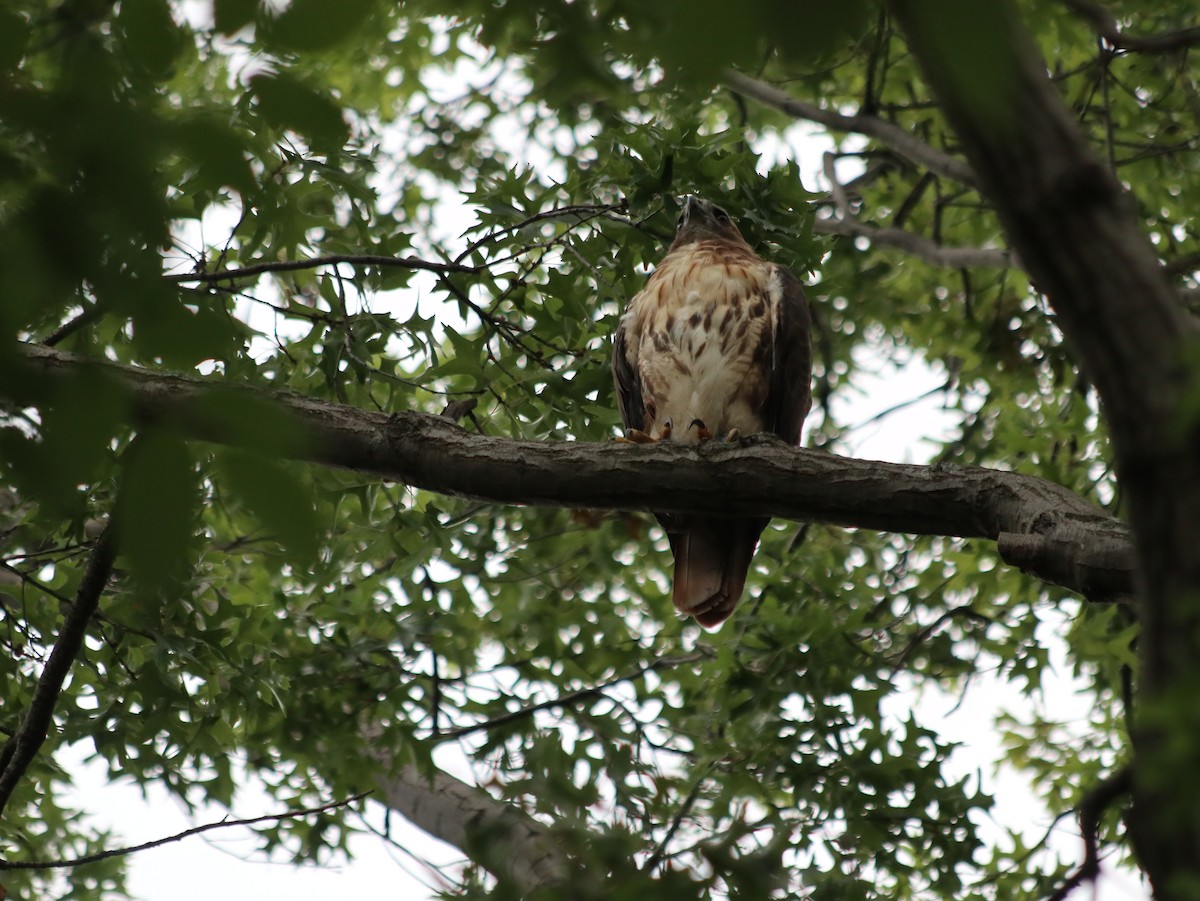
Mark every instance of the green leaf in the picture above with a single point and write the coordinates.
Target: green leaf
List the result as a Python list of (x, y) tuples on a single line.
[(153, 39), (87, 409), (156, 512), (181, 336), (256, 423), (14, 36), (217, 151), (233, 15), (287, 102), (281, 502), (308, 25)]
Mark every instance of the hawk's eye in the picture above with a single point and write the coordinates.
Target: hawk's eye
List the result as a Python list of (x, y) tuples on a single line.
[(721, 215)]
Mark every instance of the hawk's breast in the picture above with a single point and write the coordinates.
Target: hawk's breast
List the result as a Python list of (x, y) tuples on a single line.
[(702, 338)]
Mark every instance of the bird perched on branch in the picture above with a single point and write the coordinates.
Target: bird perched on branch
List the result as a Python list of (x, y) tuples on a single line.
[(715, 346)]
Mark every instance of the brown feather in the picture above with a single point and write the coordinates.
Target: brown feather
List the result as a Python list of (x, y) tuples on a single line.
[(712, 560)]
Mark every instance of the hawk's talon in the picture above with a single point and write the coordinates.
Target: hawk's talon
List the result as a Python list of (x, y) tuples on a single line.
[(635, 436), (733, 435), (665, 434)]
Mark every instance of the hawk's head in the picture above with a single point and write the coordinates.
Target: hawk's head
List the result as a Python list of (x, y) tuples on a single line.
[(703, 220)]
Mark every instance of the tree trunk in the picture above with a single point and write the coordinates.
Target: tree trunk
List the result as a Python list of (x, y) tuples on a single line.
[(1076, 232)]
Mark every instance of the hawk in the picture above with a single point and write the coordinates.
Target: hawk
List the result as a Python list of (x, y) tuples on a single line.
[(716, 345)]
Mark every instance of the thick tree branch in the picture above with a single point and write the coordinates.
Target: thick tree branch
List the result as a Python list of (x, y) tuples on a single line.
[(892, 136), (24, 744), (1060, 536), (513, 846), (1106, 26)]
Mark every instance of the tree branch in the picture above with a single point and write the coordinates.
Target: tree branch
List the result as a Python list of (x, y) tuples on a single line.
[(24, 744), (571, 697), (361, 259), (897, 139), (1066, 539), (512, 845), (178, 836), (90, 314), (1091, 809), (1105, 24), (924, 249)]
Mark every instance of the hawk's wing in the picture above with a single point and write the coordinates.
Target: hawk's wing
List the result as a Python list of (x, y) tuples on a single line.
[(628, 383), (789, 388)]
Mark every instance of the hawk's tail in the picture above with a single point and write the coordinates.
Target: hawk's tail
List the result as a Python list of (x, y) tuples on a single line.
[(712, 558)]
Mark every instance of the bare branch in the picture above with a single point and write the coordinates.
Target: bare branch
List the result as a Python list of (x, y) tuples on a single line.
[(1105, 24), (843, 223), (758, 477), (24, 744), (178, 836), (363, 259), (572, 697), (890, 135), (924, 249), (89, 315), (577, 214)]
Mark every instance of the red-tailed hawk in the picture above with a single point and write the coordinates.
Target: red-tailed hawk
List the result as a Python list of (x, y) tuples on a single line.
[(715, 345)]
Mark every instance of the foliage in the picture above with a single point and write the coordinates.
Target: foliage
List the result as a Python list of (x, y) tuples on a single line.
[(531, 152)]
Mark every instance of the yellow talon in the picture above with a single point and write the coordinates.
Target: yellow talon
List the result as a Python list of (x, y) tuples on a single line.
[(636, 436)]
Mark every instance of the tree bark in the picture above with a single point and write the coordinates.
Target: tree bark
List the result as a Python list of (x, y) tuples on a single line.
[(1076, 232), (1039, 526), (513, 846)]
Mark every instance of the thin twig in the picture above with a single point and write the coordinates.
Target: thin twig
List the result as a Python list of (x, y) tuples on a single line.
[(571, 697), (179, 836), (318, 262), (581, 212), (71, 326), (904, 404), (840, 201), (20, 750), (1091, 809), (676, 821), (964, 611)]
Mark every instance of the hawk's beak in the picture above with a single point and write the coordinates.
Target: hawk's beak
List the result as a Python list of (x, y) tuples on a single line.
[(687, 203)]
